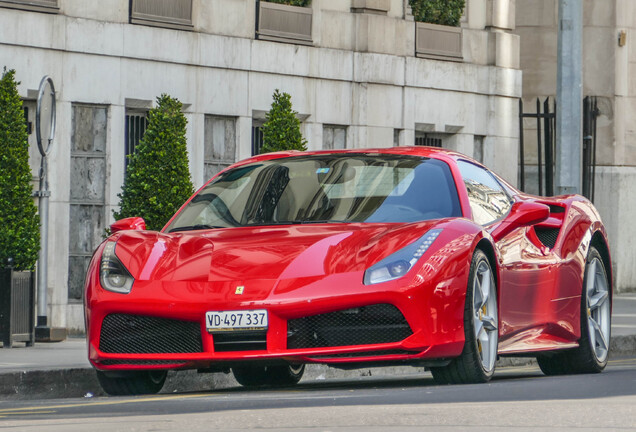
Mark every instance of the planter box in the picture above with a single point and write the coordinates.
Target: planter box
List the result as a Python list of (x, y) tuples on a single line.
[(48, 6), (284, 23), (438, 42), (175, 14), (17, 307)]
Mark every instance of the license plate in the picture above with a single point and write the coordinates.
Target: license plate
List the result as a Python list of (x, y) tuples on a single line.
[(236, 320)]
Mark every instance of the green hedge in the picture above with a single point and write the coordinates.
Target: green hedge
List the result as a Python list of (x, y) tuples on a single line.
[(292, 2), (444, 12), (158, 180), (19, 223), (281, 130)]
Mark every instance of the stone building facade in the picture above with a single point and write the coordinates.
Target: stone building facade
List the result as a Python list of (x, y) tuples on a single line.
[(359, 73), (609, 75)]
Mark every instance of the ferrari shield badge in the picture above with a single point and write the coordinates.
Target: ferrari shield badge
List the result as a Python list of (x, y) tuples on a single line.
[(239, 290)]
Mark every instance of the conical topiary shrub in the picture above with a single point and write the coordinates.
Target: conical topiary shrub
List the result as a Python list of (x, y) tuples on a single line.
[(19, 224), (281, 130), (158, 180)]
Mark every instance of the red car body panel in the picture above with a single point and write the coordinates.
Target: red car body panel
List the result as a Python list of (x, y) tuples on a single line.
[(303, 270)]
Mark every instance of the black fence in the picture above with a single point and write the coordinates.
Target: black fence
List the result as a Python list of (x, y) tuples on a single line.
[(545, 115)]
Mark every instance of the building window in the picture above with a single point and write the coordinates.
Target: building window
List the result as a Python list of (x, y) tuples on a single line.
[(48, 6), (87, 191), (135, 128), (257, 137), (219, 144), (176, 14), (334, 137), (428, 139)]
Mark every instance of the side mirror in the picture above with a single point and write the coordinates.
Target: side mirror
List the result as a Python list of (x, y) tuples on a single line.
[(131, 223), (522, 213)]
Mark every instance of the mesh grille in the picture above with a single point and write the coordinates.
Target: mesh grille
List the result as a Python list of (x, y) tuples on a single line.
[(139, 362), (548, 236), (130, 334), (382, 323)]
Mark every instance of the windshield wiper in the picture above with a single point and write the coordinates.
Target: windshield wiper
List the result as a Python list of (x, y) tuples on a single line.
[(194, 227)]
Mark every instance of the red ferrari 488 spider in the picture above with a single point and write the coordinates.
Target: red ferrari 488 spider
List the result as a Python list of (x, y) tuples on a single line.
[(415, 256)]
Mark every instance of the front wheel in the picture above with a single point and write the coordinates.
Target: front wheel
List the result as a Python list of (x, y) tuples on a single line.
[(132, 383), (476, 364), (592, 353), (282, 375)]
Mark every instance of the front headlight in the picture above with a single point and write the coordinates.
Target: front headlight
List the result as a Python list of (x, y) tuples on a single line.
[(112, 273), (399, 263)]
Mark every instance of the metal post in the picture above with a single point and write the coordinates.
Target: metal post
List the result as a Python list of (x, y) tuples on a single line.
[(43, 203), (569, 97)]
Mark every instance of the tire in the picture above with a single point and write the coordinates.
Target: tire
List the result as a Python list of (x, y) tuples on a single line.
[(596, 299), (132, 383), (256, 376), (476, 364)]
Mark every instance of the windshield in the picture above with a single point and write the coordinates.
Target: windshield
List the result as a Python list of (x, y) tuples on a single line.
[(324, 188)]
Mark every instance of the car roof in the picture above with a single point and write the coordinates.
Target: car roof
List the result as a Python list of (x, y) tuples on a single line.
[(422, 151)]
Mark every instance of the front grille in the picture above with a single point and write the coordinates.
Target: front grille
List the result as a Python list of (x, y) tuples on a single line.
[(140, 362), (240, 341), (381, 323), (548, 236), (135, 334)]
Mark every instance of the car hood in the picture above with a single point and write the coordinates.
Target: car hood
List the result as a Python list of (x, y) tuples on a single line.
[(265, 253)]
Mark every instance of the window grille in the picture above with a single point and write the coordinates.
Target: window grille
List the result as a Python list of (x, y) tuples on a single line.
[(135, 128), (257, 138), (428, 140)]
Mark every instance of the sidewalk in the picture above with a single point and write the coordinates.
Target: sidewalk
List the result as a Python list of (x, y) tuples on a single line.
[(49, 370)]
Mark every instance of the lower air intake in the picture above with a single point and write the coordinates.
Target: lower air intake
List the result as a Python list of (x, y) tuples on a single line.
[(136, 334), (381, 323)]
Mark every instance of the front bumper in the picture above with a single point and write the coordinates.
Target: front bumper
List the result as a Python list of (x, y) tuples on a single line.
[(432, 313)]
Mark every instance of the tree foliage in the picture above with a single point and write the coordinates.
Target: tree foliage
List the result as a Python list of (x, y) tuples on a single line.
[(158, 180), (281, 130), (444, 12), (19, 223), (292, 2)]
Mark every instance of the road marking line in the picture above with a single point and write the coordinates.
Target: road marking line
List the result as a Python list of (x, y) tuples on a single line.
[(624, 325), (147, 399), (623, 315)]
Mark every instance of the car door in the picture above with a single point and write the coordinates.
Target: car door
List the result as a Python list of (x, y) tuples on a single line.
[(523, 288)]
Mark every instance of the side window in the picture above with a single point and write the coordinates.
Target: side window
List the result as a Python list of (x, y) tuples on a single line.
[(488, 200)]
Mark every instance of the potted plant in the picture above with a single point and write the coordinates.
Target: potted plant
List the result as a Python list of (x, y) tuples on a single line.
[(284, 21), (437, 32), (281, 130), (158, 180), (20, 235)]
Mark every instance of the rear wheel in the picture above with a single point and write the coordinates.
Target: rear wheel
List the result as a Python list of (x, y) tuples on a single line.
[(592, 353), (476, 364), (282, 375), (132, 383)]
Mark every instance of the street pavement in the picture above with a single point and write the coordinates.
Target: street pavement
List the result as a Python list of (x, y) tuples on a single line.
[(54, 370)]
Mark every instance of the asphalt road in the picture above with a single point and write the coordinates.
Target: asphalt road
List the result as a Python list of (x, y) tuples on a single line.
[(518, 398)]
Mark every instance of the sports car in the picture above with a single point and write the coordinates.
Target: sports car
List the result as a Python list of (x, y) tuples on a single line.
[(400, 256)]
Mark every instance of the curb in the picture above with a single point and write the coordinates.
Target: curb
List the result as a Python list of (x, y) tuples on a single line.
[(82, 382)]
